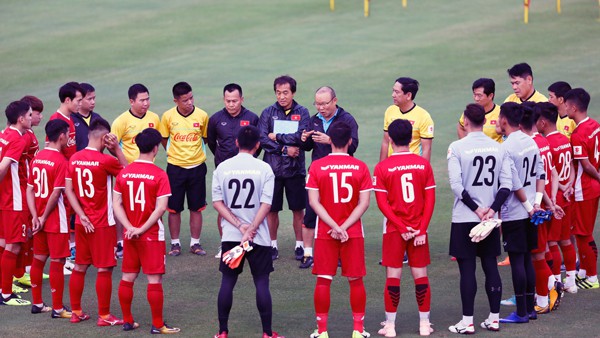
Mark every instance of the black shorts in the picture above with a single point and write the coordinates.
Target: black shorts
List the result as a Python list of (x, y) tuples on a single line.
[(519, 236), (461, 245), (259, 258), (310, 217), (295, 193), (190, 182)]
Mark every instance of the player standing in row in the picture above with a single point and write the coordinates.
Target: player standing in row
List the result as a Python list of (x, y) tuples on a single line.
[(339, 188), (129, 124), (141, 198), (405, 191), (556, 96), (224, 126), (281, 125), (484, 92), (45, 199), (14, 216), (242, 190), (315, 138), (85, 116), (89, 189), (183, 128), (70, 95), (519, 235), (586, 156), (404, 92), (521, 80), (480, 178), (559, 232)]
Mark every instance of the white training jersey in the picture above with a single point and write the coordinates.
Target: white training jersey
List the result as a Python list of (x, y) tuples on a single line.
[(243, 183)]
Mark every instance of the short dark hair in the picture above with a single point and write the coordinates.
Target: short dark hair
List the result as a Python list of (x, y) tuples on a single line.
[(475, 114), (547, 111), (16, 109), (488, 85), (136, 89), (34, 102), (86, 88), (409, 85), (283, 79), (54, 128), (248, 137), (230, 88), (400, 132), (147, 139), (559, 88), (579, 97), (99, 124), (180, 89), (520, 70), (513, 112), (69, 90), (527, 120), (340, 133)]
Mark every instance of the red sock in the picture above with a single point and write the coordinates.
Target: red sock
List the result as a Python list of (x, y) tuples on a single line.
[(76, 284), (322, 301), (156, 299), (9, 264), (391, 294), (585, 253), (358, 302), (125, 299), (29, 256), (57, 284), (542, 273), (37, 272), (593, 263), (423, 293), (20, 268), (103, 291), (569, 256), (1, 254), (556, 259)]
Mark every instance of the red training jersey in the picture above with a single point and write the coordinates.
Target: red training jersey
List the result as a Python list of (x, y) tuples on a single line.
[(404, 177), (339, 178), (47, 173), (547, 159), (584, 141), (70, 148), (140, 184), (12, 186), (91, 173), (560, 147)]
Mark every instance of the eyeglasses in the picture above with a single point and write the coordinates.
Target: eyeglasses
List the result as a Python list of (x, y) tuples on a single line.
[(316, 104)]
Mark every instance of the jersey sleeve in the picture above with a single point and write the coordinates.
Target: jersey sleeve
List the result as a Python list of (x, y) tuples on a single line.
[(505, 178), (366, 184), (217, 190), (430, 183), (455, 172), (311, 179), (59, 179), (378, 179), (579, 149), (461, 120), (387, 120), (112, 166), (117, 128), (117, 188), (163, 126), (539, 168), (15, 149), (205, 125), (164, 188), (426, 127), (266, 195)]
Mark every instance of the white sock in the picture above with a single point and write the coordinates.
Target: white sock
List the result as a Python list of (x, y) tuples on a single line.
[(557, 278), (299, 244), (194, 241), (274, 243), (467, 320), (28, 269), (494, 317), (592, 279), (551, 282), (6, 295), (424, 316), (570, 280), (71, 244), (175, 241), (581, 273), (542, 301), (390, 317), (308, 252)]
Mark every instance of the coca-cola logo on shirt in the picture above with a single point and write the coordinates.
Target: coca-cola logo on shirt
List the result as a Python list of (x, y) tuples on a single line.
[(191, 137), (71, 142)]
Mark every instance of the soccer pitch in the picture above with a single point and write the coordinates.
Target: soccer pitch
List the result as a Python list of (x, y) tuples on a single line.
[(445, 45)]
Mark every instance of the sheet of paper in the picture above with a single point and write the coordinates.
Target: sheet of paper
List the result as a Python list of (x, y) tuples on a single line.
[(285, 126)]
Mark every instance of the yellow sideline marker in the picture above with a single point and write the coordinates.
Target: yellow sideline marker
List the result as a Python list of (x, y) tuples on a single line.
[(404, 3), (367, 8), (526, 11), (332, 5), (558, 6)]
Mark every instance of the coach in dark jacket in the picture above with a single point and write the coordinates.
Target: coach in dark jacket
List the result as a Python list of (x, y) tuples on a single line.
[(281, 126), (86, 115)]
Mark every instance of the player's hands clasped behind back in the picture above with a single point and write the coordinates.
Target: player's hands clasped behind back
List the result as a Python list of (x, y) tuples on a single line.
[(338, 233)]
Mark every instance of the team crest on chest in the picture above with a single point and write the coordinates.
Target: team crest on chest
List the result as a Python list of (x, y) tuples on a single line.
[(196, 125), (150, 125), (295, 117), (244, 123)]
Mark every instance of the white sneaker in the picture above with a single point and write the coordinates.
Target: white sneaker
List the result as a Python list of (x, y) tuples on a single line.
[(461, 328), (490, 325), (218, 255), (68, 268), (388, 329), (425, 328), (570, 288)]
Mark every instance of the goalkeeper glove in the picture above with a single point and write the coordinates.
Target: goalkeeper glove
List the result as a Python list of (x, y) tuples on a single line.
[(233, 257), (483, 229)]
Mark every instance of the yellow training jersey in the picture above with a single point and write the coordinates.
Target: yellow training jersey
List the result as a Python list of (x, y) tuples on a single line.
[(127, 126), (565, 125), (420, 120), (185, 133), (489, 128), (535, 97)]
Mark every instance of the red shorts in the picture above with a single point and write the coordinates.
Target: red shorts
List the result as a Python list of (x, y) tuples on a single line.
[(542, 237), (96, 248), (394, 247), (15, 224), (149, 255), (55, 245), (584, 217), (329, 251), (560, 229)]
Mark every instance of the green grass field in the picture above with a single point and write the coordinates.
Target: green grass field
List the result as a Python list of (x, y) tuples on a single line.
[(444, 44)]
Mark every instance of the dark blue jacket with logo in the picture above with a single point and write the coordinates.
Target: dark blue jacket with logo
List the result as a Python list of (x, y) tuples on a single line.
[(223, 130), (320, 150)]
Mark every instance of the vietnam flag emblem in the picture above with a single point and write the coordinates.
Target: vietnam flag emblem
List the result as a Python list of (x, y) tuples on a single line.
[(196, 125), (151, 125), (244, 123), (296, 117)]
